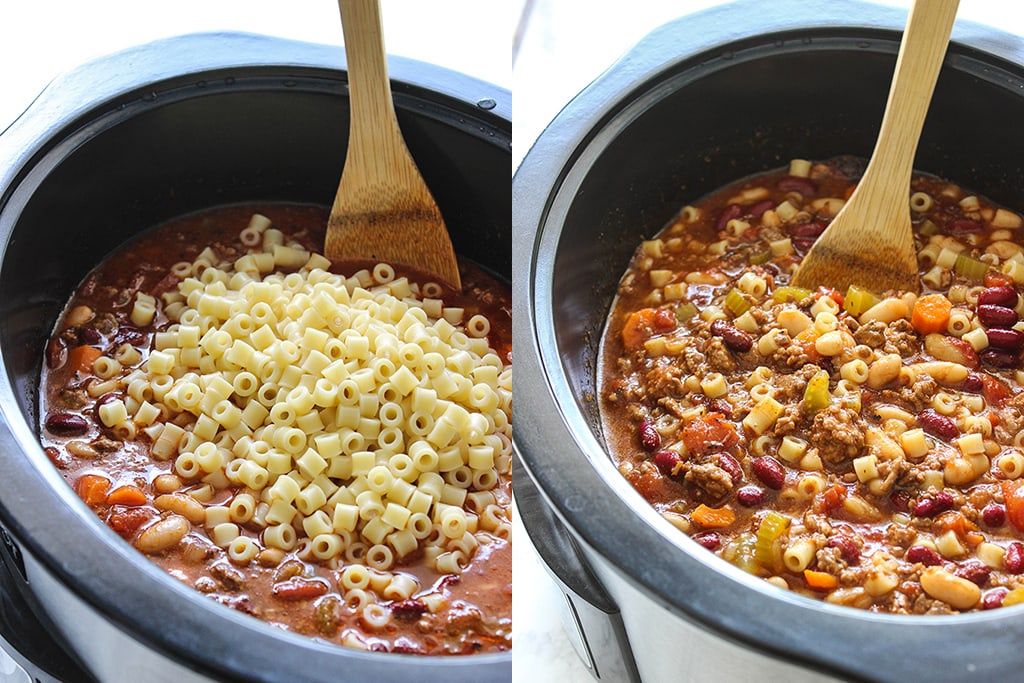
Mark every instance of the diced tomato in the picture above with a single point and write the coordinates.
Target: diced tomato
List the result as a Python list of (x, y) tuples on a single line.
[(833, 497), (712, 432), (994, 389), (126, 521), (996, 279), (831, 294), (1013, 493), (664, 320)]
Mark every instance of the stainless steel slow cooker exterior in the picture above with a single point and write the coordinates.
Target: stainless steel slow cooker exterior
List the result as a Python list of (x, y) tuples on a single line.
[(130, 141), (700, 102)]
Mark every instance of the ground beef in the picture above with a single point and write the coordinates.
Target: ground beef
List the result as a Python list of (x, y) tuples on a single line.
[(899, 535), (830, 560), (789, 421), (837, 434), (692, 360), (665, 380), (719, 357), (917, 396), (901, 338), (715, 481), (872, 334)]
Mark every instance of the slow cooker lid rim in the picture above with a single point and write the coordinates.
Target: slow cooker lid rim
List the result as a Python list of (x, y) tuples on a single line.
[(547, 163)]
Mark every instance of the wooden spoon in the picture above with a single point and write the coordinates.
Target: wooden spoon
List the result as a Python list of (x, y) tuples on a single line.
[(870, 243), (383, 210)]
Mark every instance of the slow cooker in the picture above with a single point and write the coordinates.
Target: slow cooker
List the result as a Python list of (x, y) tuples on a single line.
[(698, 103), (125, 143)]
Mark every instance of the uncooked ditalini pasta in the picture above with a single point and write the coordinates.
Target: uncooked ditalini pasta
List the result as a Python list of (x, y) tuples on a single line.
[(361, 423)]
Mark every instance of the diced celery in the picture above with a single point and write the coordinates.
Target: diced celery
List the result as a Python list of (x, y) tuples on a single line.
[(787, 293), (741, 552), (735, 303), (758, 258), (858, 300), (685, 311), (816, 394), (969, 267), (772, 526)]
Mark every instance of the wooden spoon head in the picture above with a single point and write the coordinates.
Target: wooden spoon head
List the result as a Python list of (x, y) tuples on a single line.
[(866, 260), (382, 223)]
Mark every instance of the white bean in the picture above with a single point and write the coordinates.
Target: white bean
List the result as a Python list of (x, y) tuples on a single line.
[(163, 534)]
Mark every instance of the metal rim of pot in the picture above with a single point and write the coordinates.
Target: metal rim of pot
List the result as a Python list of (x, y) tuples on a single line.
[(49, 525), (578, 480)]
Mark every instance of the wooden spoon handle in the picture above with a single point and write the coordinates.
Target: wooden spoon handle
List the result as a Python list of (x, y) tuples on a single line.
[(917, 69), (374, 135)]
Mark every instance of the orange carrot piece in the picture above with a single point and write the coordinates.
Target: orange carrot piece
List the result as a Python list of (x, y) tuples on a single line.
[(637, 328), (931, 313), (129, 495), (820, 580), (713, 518), (81, 358), (93, 488)]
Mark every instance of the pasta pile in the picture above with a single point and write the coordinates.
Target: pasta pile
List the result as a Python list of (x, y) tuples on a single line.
[(356, 416)]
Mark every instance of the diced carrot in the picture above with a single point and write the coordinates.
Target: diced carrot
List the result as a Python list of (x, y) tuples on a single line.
[(1013, 495), (93, 488), (820, 580), (931, 313), (81, 358), (708, 433), (713, 518), (129, 495), (806, 339), (637, 328)]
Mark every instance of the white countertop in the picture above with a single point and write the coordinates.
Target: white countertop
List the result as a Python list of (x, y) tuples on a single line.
[(562, 46)]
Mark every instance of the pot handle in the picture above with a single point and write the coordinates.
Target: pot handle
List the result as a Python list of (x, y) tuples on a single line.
[(590, 617)]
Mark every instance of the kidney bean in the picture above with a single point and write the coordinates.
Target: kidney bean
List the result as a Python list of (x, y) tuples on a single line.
[(974, 571), (720, 405), (900, 500), (803, 244), (728, 213), (760, 207), (650, 439), (751, 496), (996, 316), (709, 539), (998, 296), (926, 556), (999, 358), (792, 183), (973, 383), (410, 608), (932, 507), (812, 229), (1013, 560), (1011, 340), (66, 423), (89, 336), (667, 461), (994, 515), (56, 353), (732, 466), (735, 339), (847, 548), (130, 335), (939, 425), (770, 471), (994, 598), (963, 226)]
